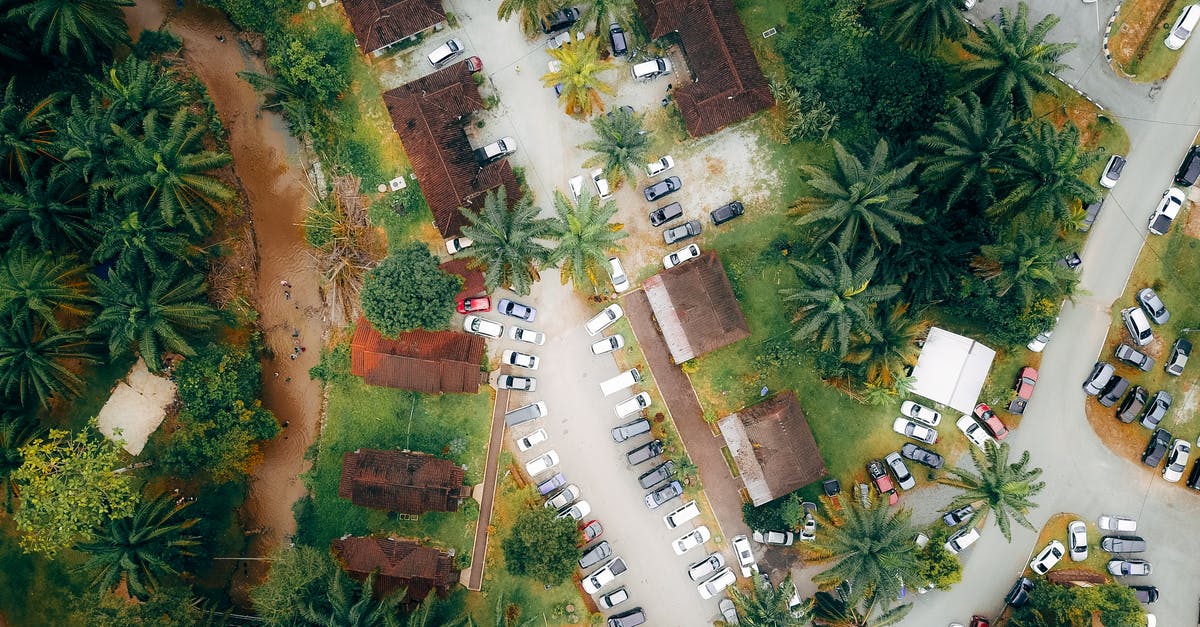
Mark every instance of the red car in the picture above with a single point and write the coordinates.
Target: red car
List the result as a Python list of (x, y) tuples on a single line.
[(474, 64), (883, 483), (991, 422), (590, 530), (1026, 379), (471, 305), (979, 621)]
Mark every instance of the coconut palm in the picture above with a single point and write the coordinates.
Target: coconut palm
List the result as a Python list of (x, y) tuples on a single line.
[(578, 72), (1014, 62), (349, 604), (86, 140), (34, 358), (585, 238), (895, 350), (86, 28), (997, 486), (132, 238), (151, 314), (922, 24), (1027, 265), (604, 12), (856, 200), (506, 242), (167, 168), (1048, 178), (929, 264), (134, 87), (765, 605), (830, 610), (41, 286), (836, 300), (874, 550), (530, 12), (25, 131), (621, 145), (139, 549), (46, 210), (15, 433), (969, 148)]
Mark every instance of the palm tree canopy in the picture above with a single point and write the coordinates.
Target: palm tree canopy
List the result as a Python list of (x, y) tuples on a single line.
[(25, 131), (765, 605), (969, 148), (1048, 178), (831, 611), (998, 486), (600, 12), (347, 603), (1029, 265), (585, 238), (530, 12), (874, 550), (33, 361), (86, 141), (621, 145), (43, 286), (15, 432), (922, 24), (134, 87), (506, 242), (579, 70), (1013, 62), (46, 210), (836, 300), (76, 27), (132, 238), (890, 355)]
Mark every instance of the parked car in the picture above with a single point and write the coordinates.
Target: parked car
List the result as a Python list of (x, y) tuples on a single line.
[(914, 430), (612, 599), (665, 187), (1077, 540), (1156, 448), (1182, 29), (663, 164), (575, 184), (616, 38), (1180, 351), (665, 214), (1026, 380), (645, 452), (692, 539), (688, 229), (1039, 341), (516, 310), (883, 483), (1112, 171), (728, 611), (519, 359), (576, 511), (458, 244), (705, 567), (741, 548), (512, 382), (443, 53), (653, 68), (775, 538), (657, 475), (483, 326), (616, 272), (1129, 568), (552, 484), (980, 621), (1134, 357), (716, 584), (921, 455), (1090, 213), (960, 541), (602, 320), (1123, 544), (955, 517), (622, 381), (990, 421), (1189, 170), (563, 497), (916, 411), (1138, 325), (1114, 522), (1132, 406), (1177, 460), (681, 514), (1098, 378), (604, 575), (541, 463), (608, 344), (1193, 480), (531, 440), (601, 183), (1166, 211), (656, 498), (632, 618), (691, 251), (529, 412), (1018, 595), (561, 19), (495, 151), (632, 405), (1048, 557), (1113, 391), (1156, 409), (726, 212), (1145, 594), (474, 304), (630, 430), (1153, 305), (904, 479), (974, 431), (590, 530), (474, 64)]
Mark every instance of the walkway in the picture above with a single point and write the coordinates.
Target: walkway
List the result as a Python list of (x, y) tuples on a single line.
[(490, 475)]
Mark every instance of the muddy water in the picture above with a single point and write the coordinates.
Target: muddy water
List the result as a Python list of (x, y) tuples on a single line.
[(265, 160)]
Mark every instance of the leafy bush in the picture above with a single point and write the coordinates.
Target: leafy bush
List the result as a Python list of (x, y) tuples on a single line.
[(542, 546), (152, 42), (408, 291), (782, 513)]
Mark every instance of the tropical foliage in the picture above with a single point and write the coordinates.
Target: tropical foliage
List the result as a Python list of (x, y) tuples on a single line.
[(507, 244), (579, 67), (407, 291), (893, 351), (1012, 61), (831, 610), (922, 24), (996, 486), (766, 605), (969, 148), (621, 147), (585, 240), (529, 12), (86, 28), (873, 551)]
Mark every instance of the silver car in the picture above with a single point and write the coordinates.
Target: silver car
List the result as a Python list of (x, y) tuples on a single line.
[(1138, 325), (707, 566)]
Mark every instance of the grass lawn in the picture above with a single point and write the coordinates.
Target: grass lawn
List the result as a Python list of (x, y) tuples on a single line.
[(1137, 38), (34, 590), (1056, 529)]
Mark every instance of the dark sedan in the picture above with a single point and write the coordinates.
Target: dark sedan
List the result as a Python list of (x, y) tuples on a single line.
[(725, 213), (1113, 391), (657, 475), (921, 455), (1133, 404), (691, 228), (1156, 449), (662, 188), (955, 517)]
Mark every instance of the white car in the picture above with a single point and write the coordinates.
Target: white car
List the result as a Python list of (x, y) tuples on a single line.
[(604, 575), (904, 478), (601, 184), (512, 382), (496, 150), (617, 273), (1038, 343), (521, 360), (961, 540), (651, 69), (532, 440), (608, 344), (915, 430), (1183, 27), (716, 584), (458, 244), (916, 411), (443, 53), (612, 599), (577, 511), (483, 326), (602, 320), (633, 404), (1177, 460), (691, 251), (1166, 211), (1112, 171), (542, 463), (974, 431), (521, 334), (691, 540), (1121, 524), (575, 183), (682, 514), (564, 497), (660, 166), (741, 546), (1077, 540), (1048, 557)]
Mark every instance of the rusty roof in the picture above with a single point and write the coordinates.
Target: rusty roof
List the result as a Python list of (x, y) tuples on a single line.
[(398, 563), (380, 23), (773, 447), (418, 360), (401, 481), (473, 283), (695, 307)]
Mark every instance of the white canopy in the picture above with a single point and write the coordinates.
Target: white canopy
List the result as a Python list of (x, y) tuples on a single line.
[(951, 369)]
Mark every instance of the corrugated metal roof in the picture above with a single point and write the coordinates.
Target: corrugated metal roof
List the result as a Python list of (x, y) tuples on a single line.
[(773, 447)]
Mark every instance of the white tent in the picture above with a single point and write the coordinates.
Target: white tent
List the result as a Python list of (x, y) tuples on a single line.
[(951, 369)]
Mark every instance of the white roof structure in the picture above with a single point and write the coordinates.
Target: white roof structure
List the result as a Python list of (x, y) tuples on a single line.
[(951, 369), (136, 408)]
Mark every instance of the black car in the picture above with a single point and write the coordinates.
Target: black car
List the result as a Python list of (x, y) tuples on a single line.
[(1135, 357), (1123, 544), (954, 517), (1189, 170), (1133, 404), (665, 214), (921, 456), (563, 18), (1156, 410), (616, 37), (725, 213), (645, 452), (1156, 449), (1018, 595), (662, 188), (632, 618), (691, 228), (1090, 214), (1113, 391), (1145, 594), (1179, 356), (657, 475), (1193, 480)]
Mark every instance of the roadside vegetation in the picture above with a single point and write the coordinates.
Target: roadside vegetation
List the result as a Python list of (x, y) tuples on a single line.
[(1136, 39)]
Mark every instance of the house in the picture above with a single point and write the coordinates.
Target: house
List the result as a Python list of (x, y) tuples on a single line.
[(401, 481), (473, 283), (397, 563), (695, 308), (951, 369), (378, 24), (773, 448), (727, 83), (430, 115), (418, 360)]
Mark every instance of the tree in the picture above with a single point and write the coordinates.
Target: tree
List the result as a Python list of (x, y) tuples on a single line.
[(530, 12), (621, 145), (600, 12), (347, 603), (542, 546), (891, 353), (1072, 606), (766, 605), (1012, 61), (173, 606), (1048, 178), (137, 550), (25, 132), (42, 288), (853, 198), (407, 291), (313, 64), (939, 566), (832, 611), (922, 24), (134, 87), (874, 550), (137, 238), (506, 242), (15, 433), (1027, 265), (585, 238), (87, 28), (969, 148), (836, 300), (69, 485), (34, 361), (931, 264), (46, 211), (86, 140), (996, 486), (296, 575), (579, 70)]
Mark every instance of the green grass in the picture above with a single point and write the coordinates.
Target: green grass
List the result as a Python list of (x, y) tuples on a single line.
[(34, 590), (1158, 60), (98, 382), (1056, 529)]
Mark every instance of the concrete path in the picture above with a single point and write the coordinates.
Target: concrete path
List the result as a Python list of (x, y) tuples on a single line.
[(490, 475)]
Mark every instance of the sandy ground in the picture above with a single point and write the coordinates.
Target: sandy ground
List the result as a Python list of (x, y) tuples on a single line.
[(137, 406)]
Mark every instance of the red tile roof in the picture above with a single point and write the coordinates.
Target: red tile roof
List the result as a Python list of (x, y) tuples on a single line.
[(401, 481), (695, 307), (773, 447), (380, 23), (472, 279), (398, 563), (728, 85), (422, 361)]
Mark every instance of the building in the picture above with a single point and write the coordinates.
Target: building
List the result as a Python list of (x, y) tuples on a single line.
[(473, 284), (431, 114), (397, 563), (695, 308), (419, 360), (401, 481), (952, 369), (773, 448), (727, 84), (378, 24)]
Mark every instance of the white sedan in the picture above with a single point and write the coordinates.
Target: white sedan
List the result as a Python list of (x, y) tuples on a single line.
[(542, 463), (691, 540), (1122, 524), (1078, 541), (1177, 460), (522, 360), (521, 334), (691, 251), (920, 412), (974, 431), (1049, 556), (608, 344), (660, 166), (914, 430), (602, 320), (458, 244), (531, 440), (617, 273)]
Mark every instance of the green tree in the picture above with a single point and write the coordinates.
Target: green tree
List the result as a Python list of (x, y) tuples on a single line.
[(69, 485), (139, 549), (530, 13), (15, 433), (347, 603), (1014, 62), (830, 610), (997, 486), (621, 145), (585, 238), (874, 550), (41, 287), (856, 200), (35, 361), (137, 238), (315, 64), (25, 132), (86, 140), (408, 291), (134, 87), (1071, 606), (939, 566), (46, 211), (894, 350), (296, 574), (542, 546), (173, 606), (765, 605), (88, 29), (836, 299), (1028, 266), (922, 24), (580, 67), (603, 12), (506, 242), (1048, 179), (931, 264), (970, 147)]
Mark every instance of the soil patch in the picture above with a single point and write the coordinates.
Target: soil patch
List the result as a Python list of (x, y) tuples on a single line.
[(1138, 29)]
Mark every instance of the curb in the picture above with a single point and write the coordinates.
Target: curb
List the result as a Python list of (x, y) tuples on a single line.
[(1108, 31), (1079, 91)]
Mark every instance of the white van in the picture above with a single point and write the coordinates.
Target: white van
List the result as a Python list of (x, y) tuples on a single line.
[(633, 404), (620, 382), (685, 513)]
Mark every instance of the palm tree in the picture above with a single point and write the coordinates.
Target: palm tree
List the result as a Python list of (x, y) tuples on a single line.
[(130, 238), (929, 264), (530, 13), (970, 146), (831, 611), (1012, 61), (579, 67), (46, 210), (1048, 178), (347, 603), (998, 486), (922, 24), (585, 238), (134, 87), (853, 198), (43, 286), (1027, 264), (24, 133), (167, 168), (621, 145), (33, 361), (76, 27), (14, 433), (895, 350), (874, 550), (86, 140), (506, 243), (600, 12), (151, 314), (836, 300), (766, 605), (139, 549)]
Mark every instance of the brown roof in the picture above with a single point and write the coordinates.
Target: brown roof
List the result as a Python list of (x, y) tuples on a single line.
[(472, 279), (695, 307), (422, 361), (401, 481), (430, 115), (380, 23), (728, 85), (398, 564), (773, 448)]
